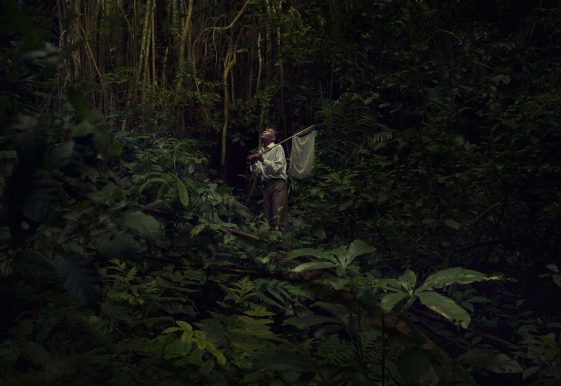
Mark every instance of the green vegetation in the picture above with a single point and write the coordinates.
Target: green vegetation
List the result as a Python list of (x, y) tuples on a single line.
[(424, 251)]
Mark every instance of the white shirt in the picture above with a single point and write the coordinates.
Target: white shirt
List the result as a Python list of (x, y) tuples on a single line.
[(273, 165)]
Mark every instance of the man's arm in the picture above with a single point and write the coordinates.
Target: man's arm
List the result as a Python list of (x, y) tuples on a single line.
[(275, 162)]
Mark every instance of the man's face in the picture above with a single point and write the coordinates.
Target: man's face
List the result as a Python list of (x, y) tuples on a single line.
[(268, 135)]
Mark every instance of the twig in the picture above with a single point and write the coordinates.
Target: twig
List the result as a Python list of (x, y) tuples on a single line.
[(234, 20), (497, 229), (244, 234)]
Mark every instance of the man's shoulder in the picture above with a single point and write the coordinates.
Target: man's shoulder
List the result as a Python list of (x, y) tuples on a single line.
[(278, 149)]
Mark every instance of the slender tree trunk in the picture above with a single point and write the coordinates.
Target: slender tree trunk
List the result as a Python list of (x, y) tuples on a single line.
[(228, 65), (183, 43), (281, 74), (153, 30)]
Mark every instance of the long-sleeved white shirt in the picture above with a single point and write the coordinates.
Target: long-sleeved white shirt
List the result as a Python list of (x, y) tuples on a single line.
[(273, 165)]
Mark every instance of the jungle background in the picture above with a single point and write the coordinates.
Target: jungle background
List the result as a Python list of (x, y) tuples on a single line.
[(423, 251)]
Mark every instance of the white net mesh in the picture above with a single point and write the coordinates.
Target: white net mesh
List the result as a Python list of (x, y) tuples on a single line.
[(302, 156)]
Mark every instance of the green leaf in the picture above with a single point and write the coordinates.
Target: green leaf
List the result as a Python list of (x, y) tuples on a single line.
[(528, 372), (64, 155), (452, 224), (388, 285), (390, 300), (357, 248), (408, 279), (121, 246), (183, 195), (346, 205), (78, 102), (313, 265), (456, 275), (207, 367), (83, 129), (336, 309), (107, 194), (306, 252), (198, 229), (108, 147), (220, 358), (92, 123), (259, 311), (187, 336), (169, 330), (79, 278), (254, 321), (491, 360), (446, 307), (184, 325), (337, 283), (143, 224)]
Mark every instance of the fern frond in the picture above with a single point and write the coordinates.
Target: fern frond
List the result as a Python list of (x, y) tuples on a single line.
[(334, 351), (240, 291), (383, 136), (278, 293)]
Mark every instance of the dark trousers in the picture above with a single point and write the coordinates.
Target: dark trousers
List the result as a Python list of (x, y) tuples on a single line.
[(275, 203)]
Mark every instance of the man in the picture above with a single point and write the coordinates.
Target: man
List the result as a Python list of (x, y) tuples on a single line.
[(270, 165)]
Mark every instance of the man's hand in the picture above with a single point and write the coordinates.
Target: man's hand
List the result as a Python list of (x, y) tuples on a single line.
[(255, 157)]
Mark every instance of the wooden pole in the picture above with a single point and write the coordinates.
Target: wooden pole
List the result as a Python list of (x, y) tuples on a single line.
[(284, 140)]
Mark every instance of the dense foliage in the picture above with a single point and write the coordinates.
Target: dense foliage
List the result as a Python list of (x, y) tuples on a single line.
[(124, 259)]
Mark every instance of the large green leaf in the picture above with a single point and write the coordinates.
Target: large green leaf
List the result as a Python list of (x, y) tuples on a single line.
[(491, 360), (357, 248), (121, 246), (182, 191), (389, 301), (108, 147), (408, 279), (79, 278), (388, 284), (64, 155), (78, 102), (307, 252), (106, 195), (83, 129), (446, 307), (92, 123), (456, 275), (452, 224), (70, 156), (143, 224), (314, 265)]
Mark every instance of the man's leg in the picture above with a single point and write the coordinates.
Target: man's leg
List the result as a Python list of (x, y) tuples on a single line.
[(268, 201), (280, 204)]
